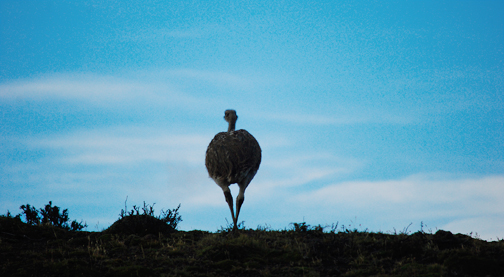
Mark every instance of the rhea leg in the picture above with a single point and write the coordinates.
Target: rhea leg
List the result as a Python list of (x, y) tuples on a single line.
[(229, 200), (239, 199), (239, 202)]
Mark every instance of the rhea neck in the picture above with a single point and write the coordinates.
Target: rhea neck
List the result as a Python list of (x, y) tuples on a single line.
[(232, 124)]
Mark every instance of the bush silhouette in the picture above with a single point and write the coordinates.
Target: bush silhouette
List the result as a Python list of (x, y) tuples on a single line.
[(50, 215), (144, 222), (31, 214)]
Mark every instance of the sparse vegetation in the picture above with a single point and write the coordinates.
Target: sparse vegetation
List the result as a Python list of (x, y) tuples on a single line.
[(28, 249), (145, 222), (50, 216)]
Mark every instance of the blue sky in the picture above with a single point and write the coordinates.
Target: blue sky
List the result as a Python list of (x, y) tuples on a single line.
[(374, 114)]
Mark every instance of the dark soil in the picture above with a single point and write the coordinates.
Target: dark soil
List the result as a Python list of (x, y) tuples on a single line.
[(132, 250)]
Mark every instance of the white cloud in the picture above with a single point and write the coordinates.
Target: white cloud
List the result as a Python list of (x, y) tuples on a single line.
[(158, 167), (415, 190), (188, 89), (311, 119), (488, 227), (218, 78), (156, 35), (100, 168), (340, 118), (457, 202), (126, 146), (132, 87), (120, 155), (271, 180), (71, 86)]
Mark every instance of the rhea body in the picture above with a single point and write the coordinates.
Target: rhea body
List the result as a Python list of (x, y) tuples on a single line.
[(233, 157)]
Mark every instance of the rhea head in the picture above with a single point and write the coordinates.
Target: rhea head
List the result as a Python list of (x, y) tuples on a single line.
[(231, 117)]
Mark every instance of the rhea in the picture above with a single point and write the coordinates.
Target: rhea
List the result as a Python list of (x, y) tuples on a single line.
[(233, 157)]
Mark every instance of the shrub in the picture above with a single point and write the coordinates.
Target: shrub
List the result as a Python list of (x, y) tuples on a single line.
[(170, 217), (50, 216), (142, 221), (303, 227), (31, 214)]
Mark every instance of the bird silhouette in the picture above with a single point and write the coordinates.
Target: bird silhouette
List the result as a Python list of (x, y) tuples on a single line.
[(233, 157)]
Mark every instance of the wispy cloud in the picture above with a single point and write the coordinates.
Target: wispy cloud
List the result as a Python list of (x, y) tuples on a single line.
[(343, 119), (126, 146), (72, 86), (150, 35), (487, 227), (104, 154), (413, 189), (99, 168), (285, 174), (166, 168), (153, 86), (416, 198), (217, 78)]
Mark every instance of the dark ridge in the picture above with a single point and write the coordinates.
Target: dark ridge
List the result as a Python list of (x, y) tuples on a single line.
[(143, 246)]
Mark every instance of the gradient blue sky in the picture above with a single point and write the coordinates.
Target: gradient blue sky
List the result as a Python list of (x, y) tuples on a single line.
[(374, 114)]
